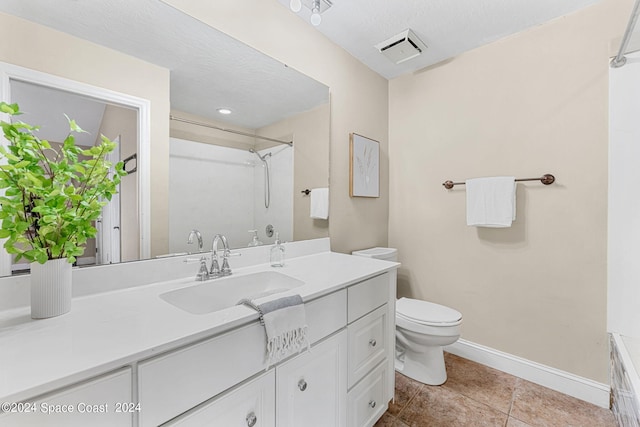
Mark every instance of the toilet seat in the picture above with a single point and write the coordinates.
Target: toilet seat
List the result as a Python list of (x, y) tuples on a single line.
[(427, 313)]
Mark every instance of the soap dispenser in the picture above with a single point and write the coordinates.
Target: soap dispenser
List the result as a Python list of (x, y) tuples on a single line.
[(255, 241), (277, 253)]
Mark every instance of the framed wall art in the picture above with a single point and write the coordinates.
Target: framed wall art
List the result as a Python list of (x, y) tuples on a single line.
[(364, 166)]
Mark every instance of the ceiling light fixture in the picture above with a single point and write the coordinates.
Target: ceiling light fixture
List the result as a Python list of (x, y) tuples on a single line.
[(224, 111), (317, 8)]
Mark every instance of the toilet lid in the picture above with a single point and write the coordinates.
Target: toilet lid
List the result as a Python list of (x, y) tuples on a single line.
[(426, 312)]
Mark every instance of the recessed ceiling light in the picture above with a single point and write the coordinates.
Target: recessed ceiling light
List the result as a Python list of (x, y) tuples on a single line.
[(224, 111)]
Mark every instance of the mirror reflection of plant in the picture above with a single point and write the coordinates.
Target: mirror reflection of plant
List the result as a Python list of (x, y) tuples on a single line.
[(51, 197)]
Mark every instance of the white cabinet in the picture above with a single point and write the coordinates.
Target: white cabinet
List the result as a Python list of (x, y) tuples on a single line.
[(103, 401), (367, 344), (366, 296), (367, 401), (311, 388), (371, 331), (175, 382), (345, 379), (249, 405)]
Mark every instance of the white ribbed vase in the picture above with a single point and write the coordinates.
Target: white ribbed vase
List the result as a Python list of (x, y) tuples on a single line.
[(50, 288)]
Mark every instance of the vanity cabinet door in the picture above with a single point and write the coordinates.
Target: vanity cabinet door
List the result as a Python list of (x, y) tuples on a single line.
[(250, 405), (311, 388)]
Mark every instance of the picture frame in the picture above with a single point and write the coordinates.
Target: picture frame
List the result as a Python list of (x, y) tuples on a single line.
[(364, 166)]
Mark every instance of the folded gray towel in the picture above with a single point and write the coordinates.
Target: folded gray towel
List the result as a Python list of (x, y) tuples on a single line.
[(285, 324)]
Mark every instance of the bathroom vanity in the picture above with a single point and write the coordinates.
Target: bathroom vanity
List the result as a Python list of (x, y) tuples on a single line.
[(131, 358)]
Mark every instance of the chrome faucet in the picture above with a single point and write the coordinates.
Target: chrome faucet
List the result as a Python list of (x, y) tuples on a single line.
[(216, 270), (195, 233)]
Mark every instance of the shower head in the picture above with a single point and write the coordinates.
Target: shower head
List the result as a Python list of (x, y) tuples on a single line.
[(263, 158)]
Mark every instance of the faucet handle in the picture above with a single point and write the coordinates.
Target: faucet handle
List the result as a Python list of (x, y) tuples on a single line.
[(215, 267), (226, 270), (203, 272)]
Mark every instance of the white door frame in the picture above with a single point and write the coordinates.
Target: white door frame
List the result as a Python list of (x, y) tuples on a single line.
[(109, 227), (10, 72)]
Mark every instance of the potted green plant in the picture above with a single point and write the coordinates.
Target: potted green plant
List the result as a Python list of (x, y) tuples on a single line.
[(52, 196)]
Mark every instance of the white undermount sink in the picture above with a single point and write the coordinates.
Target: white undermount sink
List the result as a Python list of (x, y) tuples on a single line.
[(218, 294)]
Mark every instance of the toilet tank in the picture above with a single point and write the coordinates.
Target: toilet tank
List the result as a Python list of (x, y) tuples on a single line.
[(387, 254)]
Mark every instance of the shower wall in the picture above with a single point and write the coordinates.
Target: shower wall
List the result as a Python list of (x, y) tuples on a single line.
[(624, 208), (220, 190), (280, 211)]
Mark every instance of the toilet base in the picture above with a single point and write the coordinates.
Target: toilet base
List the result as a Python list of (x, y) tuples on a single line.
[(426, 367)]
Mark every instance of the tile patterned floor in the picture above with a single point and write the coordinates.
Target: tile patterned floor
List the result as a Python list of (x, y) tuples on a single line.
[(476, 395)]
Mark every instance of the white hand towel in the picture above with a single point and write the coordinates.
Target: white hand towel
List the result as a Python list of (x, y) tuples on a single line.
[(491, 202), (319, 203), (285, 324)]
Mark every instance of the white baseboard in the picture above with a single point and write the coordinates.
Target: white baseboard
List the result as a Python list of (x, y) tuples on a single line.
[(555, 379)]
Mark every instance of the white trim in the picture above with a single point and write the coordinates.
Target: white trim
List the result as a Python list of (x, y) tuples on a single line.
[(546, 376), (5, 260), (11, 71)]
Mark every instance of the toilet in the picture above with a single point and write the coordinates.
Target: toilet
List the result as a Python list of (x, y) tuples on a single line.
[(422, 330)]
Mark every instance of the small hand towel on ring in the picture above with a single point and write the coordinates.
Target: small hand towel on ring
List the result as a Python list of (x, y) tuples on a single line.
[(285, 324)]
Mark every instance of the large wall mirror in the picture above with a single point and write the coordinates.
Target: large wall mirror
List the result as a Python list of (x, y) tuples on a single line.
[(227, 173)]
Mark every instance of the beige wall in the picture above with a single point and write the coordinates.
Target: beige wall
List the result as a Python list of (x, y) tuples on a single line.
[(123, 122), (208, 135), (529, 104), (359, 102), (53, 52), (310, 134)]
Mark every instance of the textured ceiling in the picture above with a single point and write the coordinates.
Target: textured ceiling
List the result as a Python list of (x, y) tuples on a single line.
[(209, 70), (448, 27)]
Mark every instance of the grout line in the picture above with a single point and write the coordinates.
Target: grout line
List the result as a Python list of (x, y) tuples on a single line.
[(413, 396), (513, 395)]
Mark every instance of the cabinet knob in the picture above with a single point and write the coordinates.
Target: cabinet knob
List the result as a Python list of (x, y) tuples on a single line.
[(372, 342), (251, 419), (302, 385), (372, 403)]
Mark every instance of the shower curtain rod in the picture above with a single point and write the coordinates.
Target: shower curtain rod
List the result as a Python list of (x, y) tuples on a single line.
[(620, 60), (237, 132)]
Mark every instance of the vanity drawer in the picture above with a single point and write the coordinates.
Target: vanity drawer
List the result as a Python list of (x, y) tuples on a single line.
[(367, 296), (251, 404), (367, 343), (326, 315), (103, 401), (366, 400), (176, 382)]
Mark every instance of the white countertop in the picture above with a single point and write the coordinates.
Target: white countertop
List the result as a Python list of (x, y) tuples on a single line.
[(109, 330)]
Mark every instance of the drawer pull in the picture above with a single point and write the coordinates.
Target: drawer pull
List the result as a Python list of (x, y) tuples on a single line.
[(372, 342), (372, 404), (252, 419), (302, 385)]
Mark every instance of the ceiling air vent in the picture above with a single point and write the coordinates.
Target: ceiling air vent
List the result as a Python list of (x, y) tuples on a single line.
[(402, 47)]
